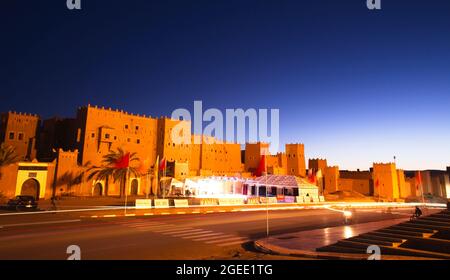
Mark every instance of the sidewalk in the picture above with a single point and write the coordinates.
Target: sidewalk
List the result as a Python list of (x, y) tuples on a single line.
[(304, 243)]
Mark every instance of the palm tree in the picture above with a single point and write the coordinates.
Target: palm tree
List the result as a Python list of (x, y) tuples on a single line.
[(111, 168), (7, 156)]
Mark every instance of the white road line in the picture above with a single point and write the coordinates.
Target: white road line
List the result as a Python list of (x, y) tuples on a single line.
[(176, 230), (204, 236), (154, 227), (195, 212), (41, 223), (224, 240), (181, 231), (233, 243), (148, 214), (134, 224), (144, 223), (214, 237), (201, 231), (198, 235)]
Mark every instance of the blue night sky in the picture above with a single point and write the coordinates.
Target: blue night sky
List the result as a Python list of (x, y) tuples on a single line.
[(356, 86)]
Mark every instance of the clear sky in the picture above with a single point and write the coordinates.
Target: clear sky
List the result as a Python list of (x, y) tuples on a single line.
[(356, 86)]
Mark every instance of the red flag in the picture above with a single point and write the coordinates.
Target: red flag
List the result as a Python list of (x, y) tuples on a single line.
[(163, 165), (122, 162), (261, 166), (312, 176)]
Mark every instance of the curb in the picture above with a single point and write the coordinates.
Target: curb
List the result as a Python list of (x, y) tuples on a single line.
[(275, 250)]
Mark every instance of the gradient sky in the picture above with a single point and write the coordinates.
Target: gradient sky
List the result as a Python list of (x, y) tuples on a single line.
[(356, 86)]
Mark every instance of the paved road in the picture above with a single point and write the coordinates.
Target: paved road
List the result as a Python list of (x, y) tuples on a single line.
[(194, 236)]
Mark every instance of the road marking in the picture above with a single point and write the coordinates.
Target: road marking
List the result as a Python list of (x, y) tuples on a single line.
[(41, 223), (148, 214), (223, 240), (209, 211), (94, 216), (177, 230), (204, 235), (180, 231), (165, 213), (235, 210), (154, 226), (195, 212), (133, 223), (181, 212), (130, 215), (196, 234), (192, 233), (213, 237), (222, 211), (233, 243), (110, 216)]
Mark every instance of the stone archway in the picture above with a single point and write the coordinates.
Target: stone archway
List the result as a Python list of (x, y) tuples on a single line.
[(98, 190), (30, 187), (134, 187)]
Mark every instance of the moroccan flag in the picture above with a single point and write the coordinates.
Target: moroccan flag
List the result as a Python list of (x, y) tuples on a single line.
[(418, 180), (312, 176), (123, 161), (163, 165), (261, 166)]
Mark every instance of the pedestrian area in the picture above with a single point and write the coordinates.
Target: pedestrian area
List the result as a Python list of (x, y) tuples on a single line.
[(194, 234)]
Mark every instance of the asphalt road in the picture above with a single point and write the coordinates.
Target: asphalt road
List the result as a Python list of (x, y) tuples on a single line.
[(193, 236)]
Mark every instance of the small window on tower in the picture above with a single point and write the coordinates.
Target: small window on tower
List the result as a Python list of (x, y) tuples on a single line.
[(137, 127), (11, 135), (93, 135), (126, 126), (106, 136), (20, 136), (138, 141)]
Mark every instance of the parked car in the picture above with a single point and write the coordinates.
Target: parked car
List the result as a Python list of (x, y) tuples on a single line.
[(22, 202)]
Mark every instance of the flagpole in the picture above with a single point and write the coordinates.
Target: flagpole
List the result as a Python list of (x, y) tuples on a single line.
[(267, 200)]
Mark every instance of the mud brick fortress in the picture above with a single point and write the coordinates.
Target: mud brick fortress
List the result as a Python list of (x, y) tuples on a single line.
[(54, 154)]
